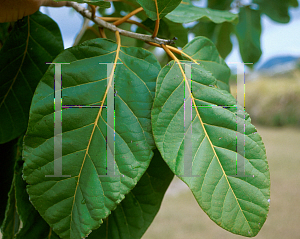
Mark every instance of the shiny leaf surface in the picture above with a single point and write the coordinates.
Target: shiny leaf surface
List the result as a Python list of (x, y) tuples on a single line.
[(75, 205)]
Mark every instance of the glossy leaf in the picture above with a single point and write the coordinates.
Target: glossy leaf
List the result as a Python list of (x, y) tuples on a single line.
[(186, 13), (277, 10), (73, 206), (204, 51), (248, 32), (164, 7), (136, 212), (237, 204), (34, 41), (99, 3)]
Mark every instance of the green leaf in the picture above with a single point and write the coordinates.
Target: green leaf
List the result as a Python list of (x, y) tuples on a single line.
[(99, 3), (136, 212), (219, 4), (237, 204), (8, 153), (203, 50), (35, 40), (248, 32), (223, 42), (277, 10), (206, 29), (3, 32), (73, 206), (33, 225), (178, 31), (127, 7), (164, 7), (10, 224), (186, 13), (89, 34)]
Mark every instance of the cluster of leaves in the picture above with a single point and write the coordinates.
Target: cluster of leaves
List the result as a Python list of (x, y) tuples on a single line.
[(150, 131)]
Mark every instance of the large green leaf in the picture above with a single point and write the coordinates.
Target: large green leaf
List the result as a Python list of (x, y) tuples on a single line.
[(75, 205), (186, 13), (204, 51), (237, 204), (35, 40), (248, 32), (135, 213), (164, 7), (277, 10)]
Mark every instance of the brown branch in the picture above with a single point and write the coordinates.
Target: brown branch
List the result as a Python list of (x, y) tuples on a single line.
[(86, 13)]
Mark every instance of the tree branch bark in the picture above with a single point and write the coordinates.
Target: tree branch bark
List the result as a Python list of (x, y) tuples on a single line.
[(86, 13)]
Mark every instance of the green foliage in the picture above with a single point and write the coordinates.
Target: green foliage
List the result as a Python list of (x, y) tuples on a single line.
[(84, 146), (140, 206), (239, 205), (186, 13), (277, 10), (164, 7), (147, 138), (34, 41), (248, 33)]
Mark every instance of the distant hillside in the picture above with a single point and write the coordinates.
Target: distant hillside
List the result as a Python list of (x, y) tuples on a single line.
[(279, 61)]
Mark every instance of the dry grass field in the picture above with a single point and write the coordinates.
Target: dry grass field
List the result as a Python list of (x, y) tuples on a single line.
[(180, 217)]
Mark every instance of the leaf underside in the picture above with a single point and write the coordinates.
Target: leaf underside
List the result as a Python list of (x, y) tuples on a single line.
[(186, 13)]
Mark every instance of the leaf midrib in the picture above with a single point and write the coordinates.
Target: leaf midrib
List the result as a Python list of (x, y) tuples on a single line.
[(211, 144)]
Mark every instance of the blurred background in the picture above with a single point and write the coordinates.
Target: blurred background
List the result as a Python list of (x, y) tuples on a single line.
[(272, 99)]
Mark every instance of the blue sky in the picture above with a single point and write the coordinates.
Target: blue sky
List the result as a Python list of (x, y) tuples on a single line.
[(276, 39)]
